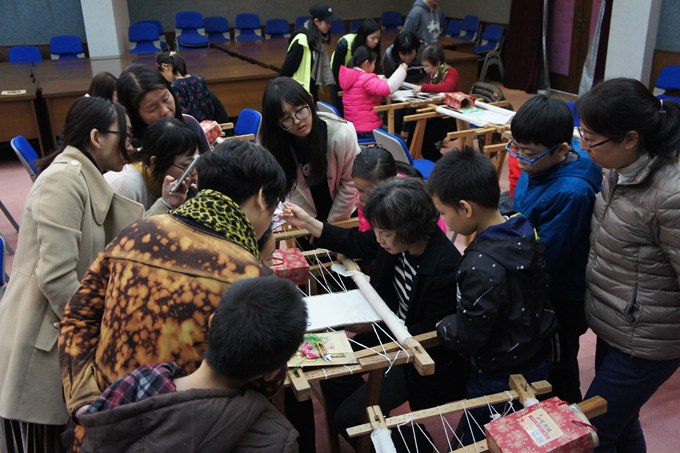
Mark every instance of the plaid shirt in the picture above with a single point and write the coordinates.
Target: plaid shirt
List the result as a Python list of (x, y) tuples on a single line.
[(142, 383)]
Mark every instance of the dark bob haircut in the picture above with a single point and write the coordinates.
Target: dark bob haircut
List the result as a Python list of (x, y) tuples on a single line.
[(239, 170), (465, 175), (257, 327), (165, 140), (543, 120), (402, 205)]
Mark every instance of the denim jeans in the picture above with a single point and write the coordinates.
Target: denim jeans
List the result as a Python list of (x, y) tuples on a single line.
[(626, 383), (482, 383)]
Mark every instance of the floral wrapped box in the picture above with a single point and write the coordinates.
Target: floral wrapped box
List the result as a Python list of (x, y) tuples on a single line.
[(550, 426), (211, 130), (291, 264)]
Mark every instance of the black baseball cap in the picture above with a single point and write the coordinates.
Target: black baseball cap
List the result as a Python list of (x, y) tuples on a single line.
[(322, 11)]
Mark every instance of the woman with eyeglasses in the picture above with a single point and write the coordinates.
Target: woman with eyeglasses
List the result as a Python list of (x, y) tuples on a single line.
[(69, 217), (167, 150), (633, 273), (316, 150)]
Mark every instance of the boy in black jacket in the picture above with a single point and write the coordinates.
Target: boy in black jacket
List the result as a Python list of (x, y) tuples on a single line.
[(503, 322)]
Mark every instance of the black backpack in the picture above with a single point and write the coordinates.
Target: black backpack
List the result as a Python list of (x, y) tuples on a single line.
[(488, 92)]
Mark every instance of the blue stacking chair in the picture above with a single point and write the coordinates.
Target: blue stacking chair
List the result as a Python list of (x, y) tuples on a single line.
[(66, 47), (338, 28), (391, 20), (490, 40), (276, 29), (159, 29), (247, 27), (189, 30), (217, 28), (470, 27), (354, 25), (145, 39), (669, 79), (454, 28), (300, 21), (248, 122), (397, 147), (26, 154), (24, 54), (322, 106)]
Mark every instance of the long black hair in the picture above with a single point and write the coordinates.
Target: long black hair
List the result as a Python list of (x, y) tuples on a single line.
[(367, 27), (179, 65), (87, 113), (133, 84), (375, 164), (618, 106), (362, 54), (279, 141)]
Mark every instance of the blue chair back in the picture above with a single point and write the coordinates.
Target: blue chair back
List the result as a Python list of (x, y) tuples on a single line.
[(248, 27), (24, 54), (26, 154), (300, 21), (322, 106), (397, 147), (248, 122), (159, 29), (217, 28), (490, 39), (189, 30), (66, 47), (471, 27), (574, 112), (669, 78), (276, 28), (338, 28), (354, 26), (391, 20), (454, 28), (145, 37)]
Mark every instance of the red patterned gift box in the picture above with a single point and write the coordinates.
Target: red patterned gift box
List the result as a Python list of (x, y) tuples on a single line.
[(291, 264), (550, 426), (211, 130)]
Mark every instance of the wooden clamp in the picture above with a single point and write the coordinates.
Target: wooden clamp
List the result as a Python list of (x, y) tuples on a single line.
[(375, 417), (301, 387)]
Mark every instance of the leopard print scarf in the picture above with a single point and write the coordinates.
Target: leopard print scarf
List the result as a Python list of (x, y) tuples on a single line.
[(439, 76), (221, 214)]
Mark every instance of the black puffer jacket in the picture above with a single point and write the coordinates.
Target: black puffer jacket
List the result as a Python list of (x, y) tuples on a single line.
[(504, 321)]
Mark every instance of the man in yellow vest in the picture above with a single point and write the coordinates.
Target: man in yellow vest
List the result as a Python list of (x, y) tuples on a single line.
[(307, 59)]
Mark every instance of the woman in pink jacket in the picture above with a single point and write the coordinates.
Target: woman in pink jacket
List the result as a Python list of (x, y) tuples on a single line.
[(363, 90)]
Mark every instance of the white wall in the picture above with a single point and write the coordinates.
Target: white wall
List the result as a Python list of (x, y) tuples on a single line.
[(106, 26), (632, 39)]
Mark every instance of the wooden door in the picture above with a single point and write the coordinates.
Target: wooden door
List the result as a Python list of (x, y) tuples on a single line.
[(569, 34)]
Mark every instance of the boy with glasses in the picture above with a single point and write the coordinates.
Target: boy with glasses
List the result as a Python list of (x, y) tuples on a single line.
[(556, 192)]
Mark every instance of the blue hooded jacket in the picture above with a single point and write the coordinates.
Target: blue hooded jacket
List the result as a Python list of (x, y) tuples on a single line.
[(559, 203)]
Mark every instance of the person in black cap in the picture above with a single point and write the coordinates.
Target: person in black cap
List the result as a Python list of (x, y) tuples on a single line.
[(307, 59)]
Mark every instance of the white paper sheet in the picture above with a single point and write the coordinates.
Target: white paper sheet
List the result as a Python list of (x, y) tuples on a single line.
[(338, 309)]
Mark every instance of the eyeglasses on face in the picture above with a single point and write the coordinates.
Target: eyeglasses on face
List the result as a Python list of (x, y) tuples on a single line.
[(300, 114), (128, 135), (514, 151), (588, 144)]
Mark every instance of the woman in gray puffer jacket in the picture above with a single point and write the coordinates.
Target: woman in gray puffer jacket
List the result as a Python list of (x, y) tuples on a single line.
[(633, 273)]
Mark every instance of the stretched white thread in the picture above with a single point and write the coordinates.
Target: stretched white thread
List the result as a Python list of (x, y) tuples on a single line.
[(446, 432), (415, 441), (468, 416), (425, 436), (403, 439), (494, 415), (349, 369), (370, 349), (408, 356), (338, 280), (325, 375)]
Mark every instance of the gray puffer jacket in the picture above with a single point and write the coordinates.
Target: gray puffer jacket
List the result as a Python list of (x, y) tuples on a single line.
[(633, 273)]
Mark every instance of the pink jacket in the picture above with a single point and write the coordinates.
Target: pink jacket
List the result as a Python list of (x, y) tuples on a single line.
[(361, 91)]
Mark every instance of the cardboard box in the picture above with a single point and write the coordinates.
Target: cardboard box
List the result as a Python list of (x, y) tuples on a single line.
[(291, 264), (550, 426), (211, 130)]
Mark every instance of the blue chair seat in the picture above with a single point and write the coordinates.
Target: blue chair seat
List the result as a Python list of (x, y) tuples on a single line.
[(217, 28), (24, 54), (192, 40)]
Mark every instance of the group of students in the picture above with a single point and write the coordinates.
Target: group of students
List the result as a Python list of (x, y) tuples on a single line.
[(415, 57), (127, 278)]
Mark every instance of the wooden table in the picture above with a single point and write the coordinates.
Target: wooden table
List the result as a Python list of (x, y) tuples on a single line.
[(18, 103), (237, 83), (268, 53), (467, 66)]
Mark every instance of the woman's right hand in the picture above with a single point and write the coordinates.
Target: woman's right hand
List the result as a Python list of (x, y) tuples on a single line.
[(298, 217), (403, 66)]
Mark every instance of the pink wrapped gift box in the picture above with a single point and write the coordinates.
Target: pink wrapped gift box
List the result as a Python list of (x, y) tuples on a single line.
[(291, 264), (211, 130), (550, 426)]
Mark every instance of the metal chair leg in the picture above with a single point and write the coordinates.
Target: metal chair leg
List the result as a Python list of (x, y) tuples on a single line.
[(9, 216)]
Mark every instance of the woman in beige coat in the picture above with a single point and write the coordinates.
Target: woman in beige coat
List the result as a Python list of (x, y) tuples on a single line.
[(70, 215)]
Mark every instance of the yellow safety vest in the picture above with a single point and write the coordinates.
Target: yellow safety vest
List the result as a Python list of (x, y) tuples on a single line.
[(303, 74)]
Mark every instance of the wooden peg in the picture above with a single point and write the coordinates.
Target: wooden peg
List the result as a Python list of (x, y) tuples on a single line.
[(522, 387), (375, 417), (301, 387)]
